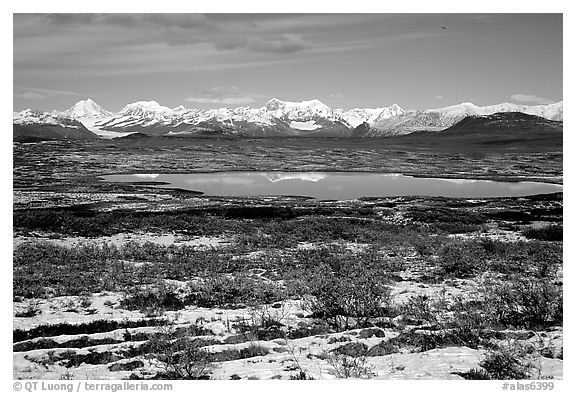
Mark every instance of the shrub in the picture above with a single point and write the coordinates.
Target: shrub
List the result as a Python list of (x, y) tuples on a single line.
[(461, 259), (344, 366), (253, 350), (153, 300), (386, 347), (347, 292), (181, 358), (226, 291), (97, 326), (352, 349), (418, 310), (31, 311), (316, 327), (265, 323), (233, 354), (535, 258), (475, 374), (504, 364), (547, 233), (301, 376), (523, 302)]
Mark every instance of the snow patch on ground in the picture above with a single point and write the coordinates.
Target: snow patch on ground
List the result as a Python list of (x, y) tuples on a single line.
[(200, 242)]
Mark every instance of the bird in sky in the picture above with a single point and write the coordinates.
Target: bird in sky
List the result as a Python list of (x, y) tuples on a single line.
[(443, 27)]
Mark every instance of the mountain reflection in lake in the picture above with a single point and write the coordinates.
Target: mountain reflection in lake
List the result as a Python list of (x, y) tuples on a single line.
[(336, 185)]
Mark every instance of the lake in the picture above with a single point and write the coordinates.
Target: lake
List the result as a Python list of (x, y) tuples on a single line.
[(335, 185)]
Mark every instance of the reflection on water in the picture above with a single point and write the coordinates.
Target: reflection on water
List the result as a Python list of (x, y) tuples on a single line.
[(336, 185)]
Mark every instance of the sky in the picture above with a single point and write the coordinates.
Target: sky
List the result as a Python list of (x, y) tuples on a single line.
[(229, 60)]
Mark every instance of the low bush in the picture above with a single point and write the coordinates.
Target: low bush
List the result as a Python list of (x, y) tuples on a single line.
[(179, 357), (45, 343), (547, 233), (504, 364), (475, 374), (31, 311), (523, 302), (386, 347), (228, 291), (233, 354), (461, 259), (153, 300), (446, 215), (347, 292), (354, 349), (265, 323), (97, 326), (301, 376), (356, 367), (72, 359), (314, 328)]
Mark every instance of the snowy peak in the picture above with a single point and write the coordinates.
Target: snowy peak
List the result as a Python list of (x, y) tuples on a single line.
[(87, 109), (29, 125), (302, 110), (358, 116), (550, 111), (144, 108), (465, 108), (274, 104), (29, 116)]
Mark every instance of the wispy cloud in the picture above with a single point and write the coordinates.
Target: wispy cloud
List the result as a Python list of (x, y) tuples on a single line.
[(184, 29), (31, 95), (286, 43), (35, 93), (531, 99), (227, 95), (182, 21)]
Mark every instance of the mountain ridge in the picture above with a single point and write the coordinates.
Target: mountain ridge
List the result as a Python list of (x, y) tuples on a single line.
[(277, 118)]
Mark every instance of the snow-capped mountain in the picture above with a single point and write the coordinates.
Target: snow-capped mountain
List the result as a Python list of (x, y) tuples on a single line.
[(275, 118), (87, 109), (30, 117), (141, 114), (35, 125), (358, 116), (442, 118)]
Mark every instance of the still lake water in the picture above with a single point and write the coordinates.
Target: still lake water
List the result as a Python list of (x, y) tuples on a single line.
[(336, 185)]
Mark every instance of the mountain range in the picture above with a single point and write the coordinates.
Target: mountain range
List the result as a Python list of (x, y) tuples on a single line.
[(88, 120)]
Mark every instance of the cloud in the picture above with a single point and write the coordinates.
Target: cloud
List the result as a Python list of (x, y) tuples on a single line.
[(227, 95), (228, 33), (530, 98), (32, 95), (286, 43), (37, 93), (182, 21)]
